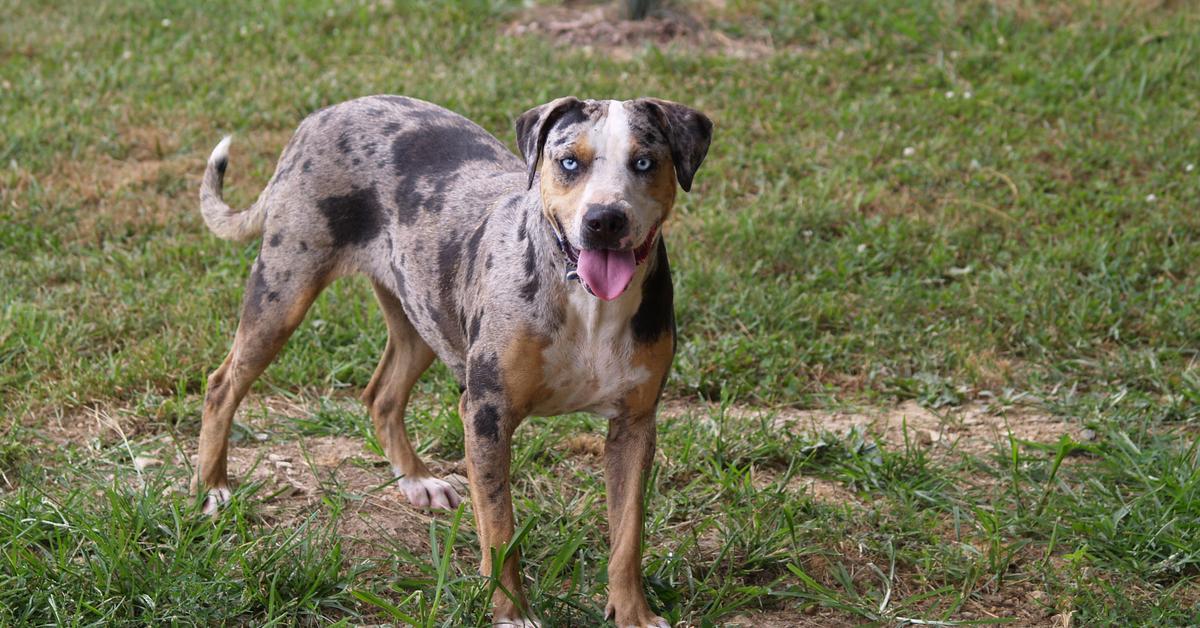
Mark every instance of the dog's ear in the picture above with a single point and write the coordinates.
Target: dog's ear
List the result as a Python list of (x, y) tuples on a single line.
[(689, 133), (535, 124)]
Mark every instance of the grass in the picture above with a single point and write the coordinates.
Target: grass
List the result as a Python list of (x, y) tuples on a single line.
[(943, 202)]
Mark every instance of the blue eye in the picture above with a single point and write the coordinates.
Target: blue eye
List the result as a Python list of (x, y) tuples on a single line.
[(643, 164), (569, 164)]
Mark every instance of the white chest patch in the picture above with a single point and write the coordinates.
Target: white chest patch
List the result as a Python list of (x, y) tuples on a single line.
[(589, 367)]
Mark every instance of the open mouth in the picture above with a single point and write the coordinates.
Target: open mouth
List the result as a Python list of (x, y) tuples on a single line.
[(606, 273)]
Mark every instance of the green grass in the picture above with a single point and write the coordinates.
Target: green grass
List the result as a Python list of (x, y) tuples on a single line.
[(862, 233)]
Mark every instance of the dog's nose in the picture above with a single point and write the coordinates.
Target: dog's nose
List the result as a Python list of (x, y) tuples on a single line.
[(605, 224)]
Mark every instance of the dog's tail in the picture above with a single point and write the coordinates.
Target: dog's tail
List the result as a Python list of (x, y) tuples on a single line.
[(220, 217)]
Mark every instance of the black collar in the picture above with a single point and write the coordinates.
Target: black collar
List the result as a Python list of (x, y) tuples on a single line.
[(570, 258)]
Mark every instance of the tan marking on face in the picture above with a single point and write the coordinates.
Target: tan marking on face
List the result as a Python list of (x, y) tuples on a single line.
[(660, 187), (523, 369), (562, 198), (656, 359)]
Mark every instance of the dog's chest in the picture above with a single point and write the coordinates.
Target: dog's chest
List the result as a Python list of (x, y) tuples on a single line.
[(589, 367)]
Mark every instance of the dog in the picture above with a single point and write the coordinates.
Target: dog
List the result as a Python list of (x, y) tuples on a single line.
[(542, 282)]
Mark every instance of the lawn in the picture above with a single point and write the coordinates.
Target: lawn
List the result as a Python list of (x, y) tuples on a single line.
[(937, 289)]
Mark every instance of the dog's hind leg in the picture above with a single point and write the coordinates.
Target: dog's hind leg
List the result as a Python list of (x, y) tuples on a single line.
[(404, 359), (275, 301)]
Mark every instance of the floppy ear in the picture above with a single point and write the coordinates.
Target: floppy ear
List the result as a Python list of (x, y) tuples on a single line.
[(689, 133), (534, 125)]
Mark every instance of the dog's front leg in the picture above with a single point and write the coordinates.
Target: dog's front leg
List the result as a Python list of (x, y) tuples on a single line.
[(488, 426), (628, 454)]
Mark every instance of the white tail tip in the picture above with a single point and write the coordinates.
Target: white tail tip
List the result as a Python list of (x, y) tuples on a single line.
[(221, 152)]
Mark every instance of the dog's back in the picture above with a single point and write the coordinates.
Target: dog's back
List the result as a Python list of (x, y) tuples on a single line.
[(388, 186)]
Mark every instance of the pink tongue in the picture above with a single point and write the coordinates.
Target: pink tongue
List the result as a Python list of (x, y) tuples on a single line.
[(606, 273)]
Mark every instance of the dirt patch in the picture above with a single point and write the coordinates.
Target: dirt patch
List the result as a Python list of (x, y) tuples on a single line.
[(974, 428), (592, 27), (815, 617), (297, 473), (93, 425)]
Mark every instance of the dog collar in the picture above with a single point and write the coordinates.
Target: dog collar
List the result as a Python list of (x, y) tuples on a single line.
[(570, 260)]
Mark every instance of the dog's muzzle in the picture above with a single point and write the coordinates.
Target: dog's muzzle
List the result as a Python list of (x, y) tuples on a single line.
[(571, 254)]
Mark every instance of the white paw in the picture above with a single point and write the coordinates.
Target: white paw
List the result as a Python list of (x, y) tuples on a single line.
[(216, 498), (610, 612), (430, 493), (656, 622), (517, 623)]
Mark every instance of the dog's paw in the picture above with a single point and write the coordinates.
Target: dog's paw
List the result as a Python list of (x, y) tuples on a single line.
[(640, 619), (522, 622), (653, 622), (216, 498), (430, 493)]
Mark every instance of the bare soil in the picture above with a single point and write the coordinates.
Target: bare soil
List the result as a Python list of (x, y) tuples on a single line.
[(600, 28)]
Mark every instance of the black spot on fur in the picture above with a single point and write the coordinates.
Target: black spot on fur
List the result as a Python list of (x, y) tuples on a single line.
[(473, 248), (426, 159), (449, 254), (530, 258), (573, 116), (521, 233), (355, 218), (487, 422), (307, 167), (390, 128), (272, 296), (287, 276), (355, 161), (401, 287), (488, 264), (343, 143), (303, 246), (473, 330), (656, 314), (483, 376), (276, 239), (645, 130), (530, 289), (222, 164), (256, 292)]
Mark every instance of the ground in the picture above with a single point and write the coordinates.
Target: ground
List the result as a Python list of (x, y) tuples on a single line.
[(936, 292)]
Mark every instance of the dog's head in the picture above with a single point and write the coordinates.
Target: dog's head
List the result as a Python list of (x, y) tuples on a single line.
[(608, 173)]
